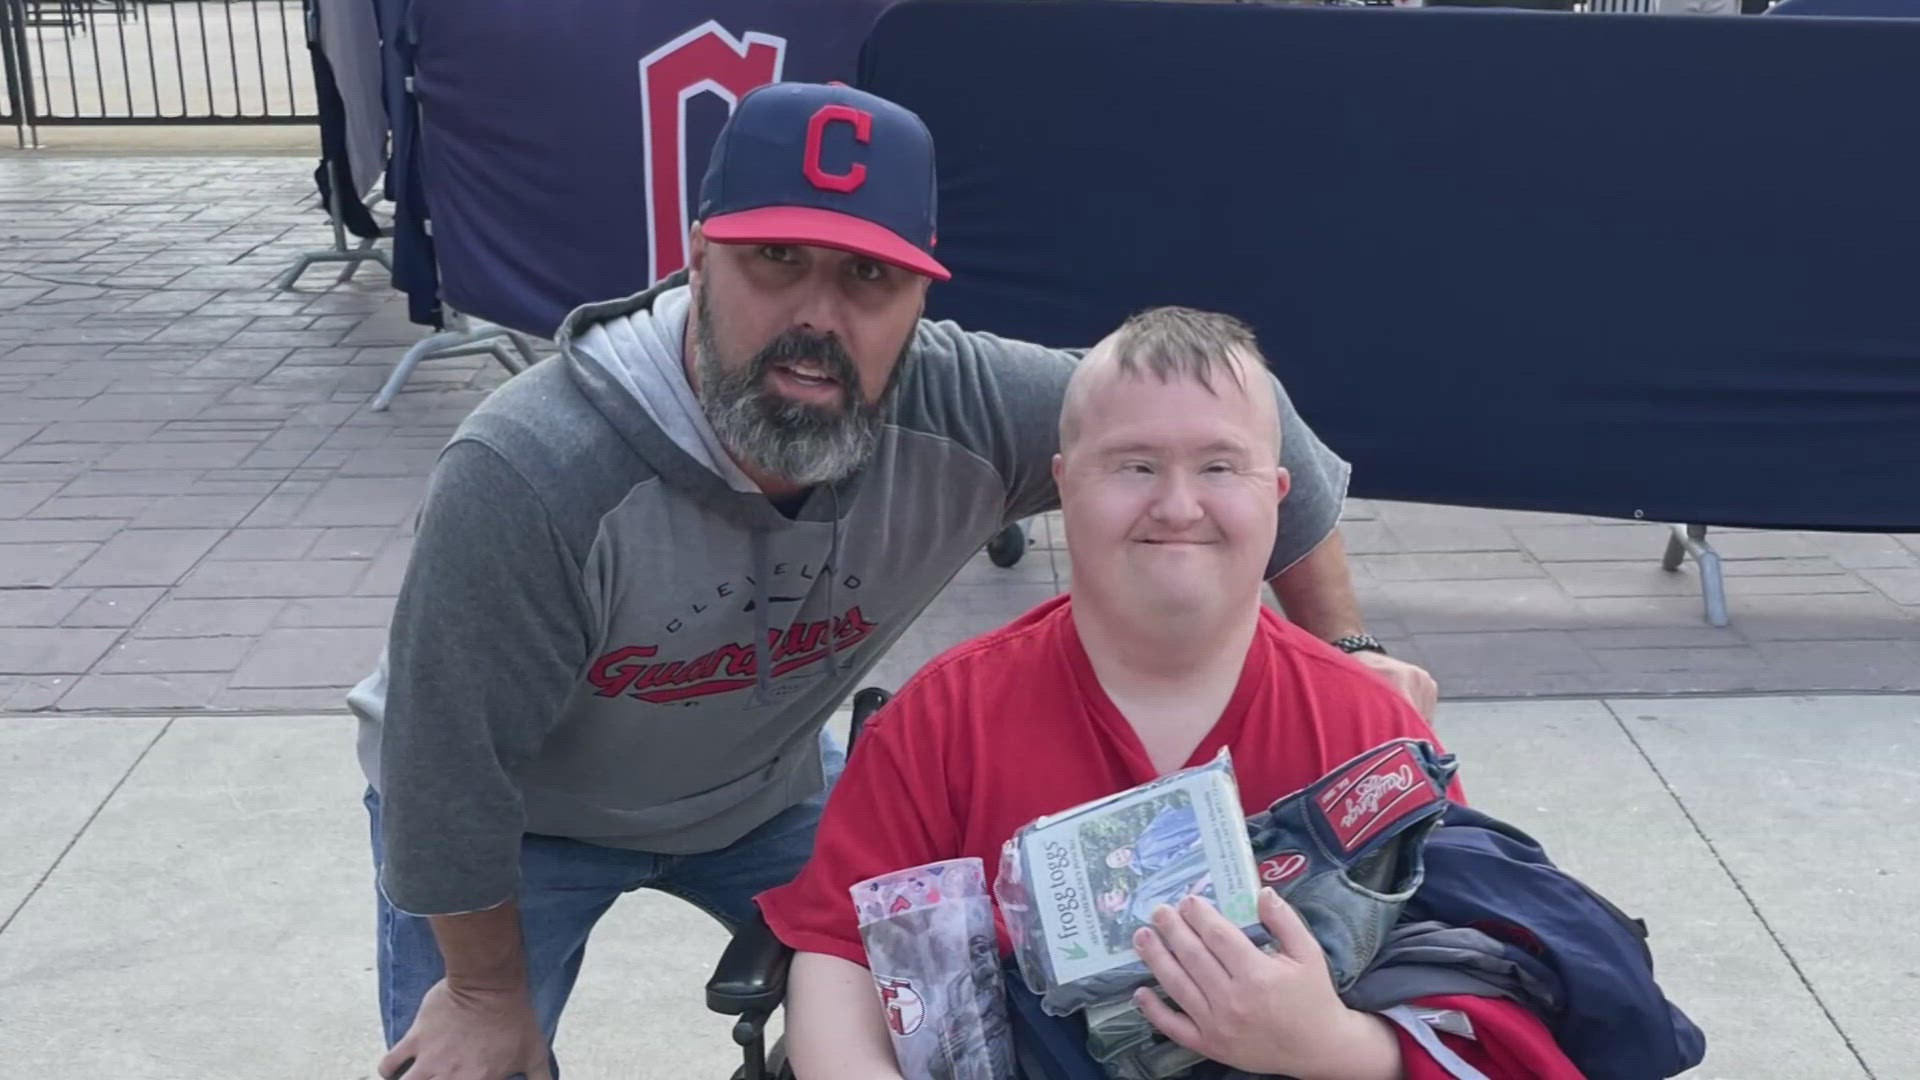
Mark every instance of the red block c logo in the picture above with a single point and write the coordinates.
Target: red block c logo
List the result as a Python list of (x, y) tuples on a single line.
[(816, 131)]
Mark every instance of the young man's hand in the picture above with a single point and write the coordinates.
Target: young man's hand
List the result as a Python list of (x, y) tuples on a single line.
[(1266, 1013)]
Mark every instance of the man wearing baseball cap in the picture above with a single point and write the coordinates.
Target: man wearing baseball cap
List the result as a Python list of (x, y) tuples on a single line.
[(648, 570)]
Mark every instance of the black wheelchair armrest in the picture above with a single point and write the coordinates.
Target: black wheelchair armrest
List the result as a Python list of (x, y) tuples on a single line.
[(751, 977)]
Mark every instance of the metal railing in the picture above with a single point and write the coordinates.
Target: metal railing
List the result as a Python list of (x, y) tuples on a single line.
[(73, 62)]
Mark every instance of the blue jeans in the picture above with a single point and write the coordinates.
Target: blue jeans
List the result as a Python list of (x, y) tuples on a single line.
[(566, 885)]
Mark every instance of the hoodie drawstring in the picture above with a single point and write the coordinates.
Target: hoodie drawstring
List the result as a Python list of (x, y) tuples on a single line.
[(762, 656), (833, 561)]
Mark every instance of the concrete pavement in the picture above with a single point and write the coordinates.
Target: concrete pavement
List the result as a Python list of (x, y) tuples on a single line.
[(189, 896)]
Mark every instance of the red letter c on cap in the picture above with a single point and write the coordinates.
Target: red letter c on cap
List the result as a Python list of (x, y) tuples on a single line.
[(816, 129)]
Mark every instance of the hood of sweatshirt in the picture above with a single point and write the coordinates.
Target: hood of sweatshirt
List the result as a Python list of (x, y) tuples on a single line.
[(628, 356)]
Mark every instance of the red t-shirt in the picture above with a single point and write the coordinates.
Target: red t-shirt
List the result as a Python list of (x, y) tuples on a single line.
[(1014, 725)]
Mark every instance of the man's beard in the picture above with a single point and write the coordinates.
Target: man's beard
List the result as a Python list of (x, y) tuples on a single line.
[(796, 442)]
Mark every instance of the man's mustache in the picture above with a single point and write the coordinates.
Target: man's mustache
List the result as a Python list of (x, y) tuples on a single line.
[(824, 350)]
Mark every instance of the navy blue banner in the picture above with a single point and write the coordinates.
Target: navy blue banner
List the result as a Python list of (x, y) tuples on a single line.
[(562, 141), (1623, 266)]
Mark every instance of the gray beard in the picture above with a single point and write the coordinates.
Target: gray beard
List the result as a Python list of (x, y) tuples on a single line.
[(797, 443)]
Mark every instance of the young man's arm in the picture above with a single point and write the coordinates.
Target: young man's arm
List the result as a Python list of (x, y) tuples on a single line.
[(890, 810), (835, 1030)]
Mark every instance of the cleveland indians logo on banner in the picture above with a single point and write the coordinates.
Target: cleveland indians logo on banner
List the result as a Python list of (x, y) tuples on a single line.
[(704, 60)]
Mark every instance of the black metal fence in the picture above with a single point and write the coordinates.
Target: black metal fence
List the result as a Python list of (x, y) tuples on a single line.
[(154, 62)]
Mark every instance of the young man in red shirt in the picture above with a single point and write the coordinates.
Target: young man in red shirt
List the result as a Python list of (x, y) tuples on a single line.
[(1161, 655)]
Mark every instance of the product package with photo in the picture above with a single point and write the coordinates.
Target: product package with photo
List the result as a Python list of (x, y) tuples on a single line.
[(1074, 886)]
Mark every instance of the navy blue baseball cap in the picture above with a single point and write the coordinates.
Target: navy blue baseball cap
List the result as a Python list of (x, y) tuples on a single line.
[(827, 165)]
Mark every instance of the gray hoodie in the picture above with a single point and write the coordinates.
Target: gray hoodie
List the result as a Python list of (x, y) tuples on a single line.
[(607, 633)]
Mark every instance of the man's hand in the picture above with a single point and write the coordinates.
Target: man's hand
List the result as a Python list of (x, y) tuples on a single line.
[(469, 1034), (1265, 1013), (1413, 683)]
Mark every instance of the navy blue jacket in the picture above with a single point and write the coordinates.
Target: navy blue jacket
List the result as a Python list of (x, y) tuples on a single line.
[(1614, 1022)]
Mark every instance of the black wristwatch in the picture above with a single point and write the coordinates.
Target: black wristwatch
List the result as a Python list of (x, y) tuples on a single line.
[(1354, 643)]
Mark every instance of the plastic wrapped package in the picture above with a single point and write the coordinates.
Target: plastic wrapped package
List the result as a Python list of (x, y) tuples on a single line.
[(934, 952), (1074, 886)]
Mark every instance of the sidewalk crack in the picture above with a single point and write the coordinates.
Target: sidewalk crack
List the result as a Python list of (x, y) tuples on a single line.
[(1746, 896), (88, 824)]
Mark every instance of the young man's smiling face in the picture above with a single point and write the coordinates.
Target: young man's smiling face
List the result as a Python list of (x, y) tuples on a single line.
[(1170, 489)]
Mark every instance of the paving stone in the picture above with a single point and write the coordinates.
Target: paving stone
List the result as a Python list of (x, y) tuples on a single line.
[(1700, 637), (68, 388), (34, 693), (269, 323), (36, 607), (310, 658), (49, 452), (99, 431), (262, 544), (142, 407), (1446, 606), (180, 455), (161, 656), (94, 506), (313, 357), (364, 501), (225, 363), (116, 608), (1448, 566), (271, 579), (1529, 652), (1900, 586), (12, 435), (1594, 543), (205, 329), (142, 692), (345, 611), (303, 439), (328, 459), (352, 543), (35, 566), (205, 511), (1759, 545), (17, 500), (47, 651), (287, 459), (276, 413), (284, 339), (389, 571), (1590, 580), (172, 301), (18, 408), (276, 510), (174, 617), (154, 481), (146, 557), (1855, 617), (214, 484)]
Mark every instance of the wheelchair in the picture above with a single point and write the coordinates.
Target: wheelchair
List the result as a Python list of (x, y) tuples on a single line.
[(750, 981)]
